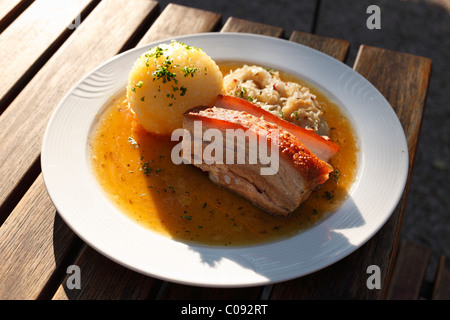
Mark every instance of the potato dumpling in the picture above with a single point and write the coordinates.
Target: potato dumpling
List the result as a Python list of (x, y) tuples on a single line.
[(169, 79)]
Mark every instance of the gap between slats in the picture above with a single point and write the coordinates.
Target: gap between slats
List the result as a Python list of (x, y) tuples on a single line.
[(19, 190), (13, 13), (316, 17), (60, 271)]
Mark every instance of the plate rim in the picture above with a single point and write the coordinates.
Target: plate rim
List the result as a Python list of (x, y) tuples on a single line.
[(60, 105)]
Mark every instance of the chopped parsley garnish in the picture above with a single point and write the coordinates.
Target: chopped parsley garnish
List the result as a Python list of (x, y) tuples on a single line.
[(158, 52), (165, 70), (328, 195), (271, 70), (244, 94), (133, 142), (147, 169), (335, 175), (189, 71)]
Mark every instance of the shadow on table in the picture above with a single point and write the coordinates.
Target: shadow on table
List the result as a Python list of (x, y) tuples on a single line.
[(311, 250), (332, 245)]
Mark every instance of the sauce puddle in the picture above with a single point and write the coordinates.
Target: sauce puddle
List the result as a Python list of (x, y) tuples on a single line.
[(135, 169)]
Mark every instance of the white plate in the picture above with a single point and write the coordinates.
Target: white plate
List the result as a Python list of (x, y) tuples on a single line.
[(381, 176)]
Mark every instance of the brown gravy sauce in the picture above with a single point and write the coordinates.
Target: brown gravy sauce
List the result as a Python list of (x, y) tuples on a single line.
[(134, 168)]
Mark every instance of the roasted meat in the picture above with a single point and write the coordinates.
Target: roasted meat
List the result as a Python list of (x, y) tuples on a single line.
[(259, 159), (319, 145)]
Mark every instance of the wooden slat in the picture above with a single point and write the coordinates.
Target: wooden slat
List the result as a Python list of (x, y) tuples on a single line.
[(94, 284), (102, 279), (34, 228), (177, 20), (239, 25), (32, 243), (403, 79), (24, 43), (409, 273), (23, 123), (441, 290), (334, 47)]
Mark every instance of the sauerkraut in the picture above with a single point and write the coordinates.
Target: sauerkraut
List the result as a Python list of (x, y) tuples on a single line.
[(287, 100)]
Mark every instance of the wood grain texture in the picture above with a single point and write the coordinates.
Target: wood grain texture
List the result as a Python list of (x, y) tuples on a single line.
[(409, 273), (333, 47), (239, 25), (103, 279), (24, 121), (33, 242), (29, 37), (33, 248), (403, 80), (347, 278), (8, 8), (177, 20)]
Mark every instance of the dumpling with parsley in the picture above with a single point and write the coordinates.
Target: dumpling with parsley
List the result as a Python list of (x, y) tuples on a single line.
[(169, 79)]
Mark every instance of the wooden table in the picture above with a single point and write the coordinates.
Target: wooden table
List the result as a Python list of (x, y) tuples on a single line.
[(46, 50)]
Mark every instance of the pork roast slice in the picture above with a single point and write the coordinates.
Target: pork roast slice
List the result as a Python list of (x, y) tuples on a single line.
[(288, 179)]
